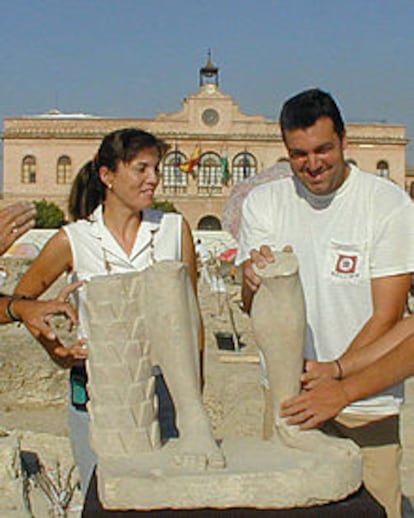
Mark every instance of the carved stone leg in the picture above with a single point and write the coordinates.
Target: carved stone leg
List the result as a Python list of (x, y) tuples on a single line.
[(175, 326), (122, 405), (279, 320)]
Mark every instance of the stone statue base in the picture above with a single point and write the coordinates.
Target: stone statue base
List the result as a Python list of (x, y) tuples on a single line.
[(259, 474)]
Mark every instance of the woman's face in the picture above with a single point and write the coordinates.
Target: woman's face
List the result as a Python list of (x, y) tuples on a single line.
[(134, 183)]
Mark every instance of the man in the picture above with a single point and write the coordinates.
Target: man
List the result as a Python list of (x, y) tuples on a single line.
[(15, 220), (353, 234)]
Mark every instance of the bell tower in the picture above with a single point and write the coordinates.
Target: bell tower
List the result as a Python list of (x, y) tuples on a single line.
[(209, 73)]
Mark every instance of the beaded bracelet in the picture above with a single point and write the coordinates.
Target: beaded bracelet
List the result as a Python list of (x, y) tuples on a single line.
[(9, 308)]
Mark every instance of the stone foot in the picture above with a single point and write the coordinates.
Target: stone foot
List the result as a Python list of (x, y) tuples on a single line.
[(312, 440), (200, 462), (197, 451), (195, 461), (200, 457)]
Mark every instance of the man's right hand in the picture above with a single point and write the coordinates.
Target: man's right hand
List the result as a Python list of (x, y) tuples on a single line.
[(251, 281), (259, 258)]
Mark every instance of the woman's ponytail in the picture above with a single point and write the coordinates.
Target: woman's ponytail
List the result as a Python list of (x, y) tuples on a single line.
[(87, 192)]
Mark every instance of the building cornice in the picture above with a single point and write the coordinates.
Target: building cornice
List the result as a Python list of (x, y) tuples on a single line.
[(94, 134)]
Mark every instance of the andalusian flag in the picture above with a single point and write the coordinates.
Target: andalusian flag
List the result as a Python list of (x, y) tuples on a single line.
[(225, 173), (188, 165), (246, 164)]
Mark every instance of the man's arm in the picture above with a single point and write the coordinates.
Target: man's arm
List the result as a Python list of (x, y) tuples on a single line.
[(389, 295), (247, 291)]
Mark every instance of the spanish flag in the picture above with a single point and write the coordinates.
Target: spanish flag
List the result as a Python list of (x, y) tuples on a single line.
[(188, 165)]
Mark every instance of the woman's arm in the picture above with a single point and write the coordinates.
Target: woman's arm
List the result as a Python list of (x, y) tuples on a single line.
[(188, 253), (54, 259), (189, 258)]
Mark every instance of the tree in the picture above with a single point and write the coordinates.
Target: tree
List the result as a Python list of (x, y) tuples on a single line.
[(164, 205), (48, 215)]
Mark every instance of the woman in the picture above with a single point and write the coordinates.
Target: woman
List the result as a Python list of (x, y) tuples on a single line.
[(114, 232)]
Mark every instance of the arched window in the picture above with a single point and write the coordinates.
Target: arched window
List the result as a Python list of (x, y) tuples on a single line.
[(383, 169), (173, 179), (209, 174), (244, 166), (28, 174), (209, 223), (64, 170)]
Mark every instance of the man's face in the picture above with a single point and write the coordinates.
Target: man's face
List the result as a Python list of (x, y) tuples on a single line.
[(316, 156)]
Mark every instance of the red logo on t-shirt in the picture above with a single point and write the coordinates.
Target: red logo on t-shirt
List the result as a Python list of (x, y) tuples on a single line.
[(346, 264)]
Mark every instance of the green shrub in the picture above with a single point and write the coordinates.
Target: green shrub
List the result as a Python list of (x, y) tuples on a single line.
[(164, 205), (48, 215)]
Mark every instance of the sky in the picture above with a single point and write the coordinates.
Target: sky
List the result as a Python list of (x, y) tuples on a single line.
[(136, 58)]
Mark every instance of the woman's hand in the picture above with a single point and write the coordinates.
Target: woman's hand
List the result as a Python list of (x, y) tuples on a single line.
[(315, 372)]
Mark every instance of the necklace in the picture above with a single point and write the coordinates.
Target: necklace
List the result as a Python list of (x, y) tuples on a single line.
[(152, 260)]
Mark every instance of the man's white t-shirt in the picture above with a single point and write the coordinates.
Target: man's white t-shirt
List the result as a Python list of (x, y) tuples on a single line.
[(364, 230)]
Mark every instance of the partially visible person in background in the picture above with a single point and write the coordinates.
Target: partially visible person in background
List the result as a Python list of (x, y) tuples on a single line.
[(203, 257), (16, 220)]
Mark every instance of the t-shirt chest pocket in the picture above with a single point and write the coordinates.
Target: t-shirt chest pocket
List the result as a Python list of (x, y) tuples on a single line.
[(347, 263)]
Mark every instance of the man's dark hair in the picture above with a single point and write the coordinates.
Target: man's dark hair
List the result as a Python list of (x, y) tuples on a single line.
[(304, 109)]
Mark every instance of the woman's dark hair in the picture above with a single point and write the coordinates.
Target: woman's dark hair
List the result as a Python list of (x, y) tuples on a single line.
[(123, 145), (304, 109)]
